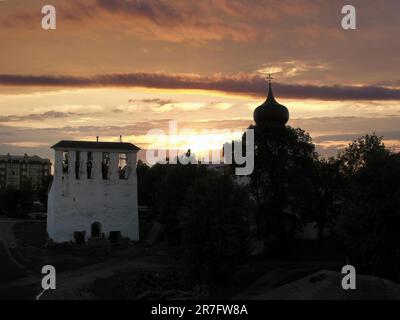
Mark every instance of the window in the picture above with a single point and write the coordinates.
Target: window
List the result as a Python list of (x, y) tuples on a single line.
[(89, 165), (105, 166), (122, 166), (65, 162), (77, 164)]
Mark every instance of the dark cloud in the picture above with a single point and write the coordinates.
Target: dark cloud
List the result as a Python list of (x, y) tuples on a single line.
[(242, 84)]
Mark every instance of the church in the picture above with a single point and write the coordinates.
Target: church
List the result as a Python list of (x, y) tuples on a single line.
[(94, 192)]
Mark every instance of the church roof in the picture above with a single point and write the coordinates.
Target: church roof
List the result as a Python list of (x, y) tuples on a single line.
[(271, 112), (93, 145)]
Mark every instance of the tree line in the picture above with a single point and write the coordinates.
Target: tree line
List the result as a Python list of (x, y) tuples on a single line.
[(213, 220)]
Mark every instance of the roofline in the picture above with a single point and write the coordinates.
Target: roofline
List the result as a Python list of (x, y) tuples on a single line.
[(132, 148), (96, 149)]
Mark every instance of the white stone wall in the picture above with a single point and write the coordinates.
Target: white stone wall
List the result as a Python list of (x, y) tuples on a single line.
[(74, 205)]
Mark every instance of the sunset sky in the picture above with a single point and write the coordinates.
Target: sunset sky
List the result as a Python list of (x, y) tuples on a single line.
[(124, 67)]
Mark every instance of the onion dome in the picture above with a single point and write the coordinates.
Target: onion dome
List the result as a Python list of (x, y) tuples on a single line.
[(271, 112)]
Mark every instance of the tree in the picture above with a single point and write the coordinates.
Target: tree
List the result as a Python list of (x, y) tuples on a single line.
[(169, 196), (283, 164), (2, 201), (144, 185), (12, 197), (370, 221), (215, 226), (44, 189), (18, 201), (356, 155), (326, 194), (26, 195)]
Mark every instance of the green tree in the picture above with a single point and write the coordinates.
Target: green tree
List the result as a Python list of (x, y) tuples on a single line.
[(215, 226)]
